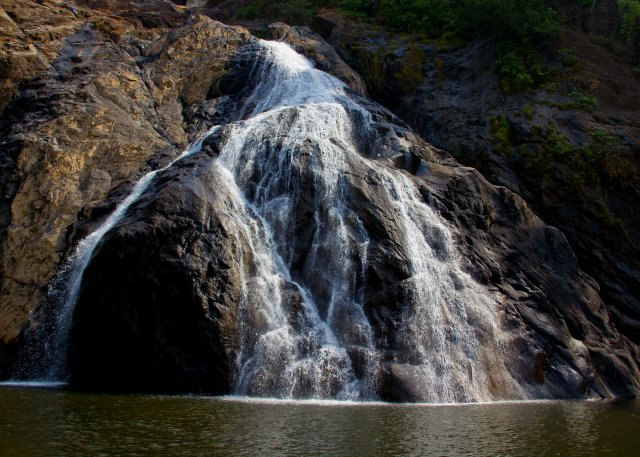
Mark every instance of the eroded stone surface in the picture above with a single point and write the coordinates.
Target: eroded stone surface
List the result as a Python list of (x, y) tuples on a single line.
[(94, 113)]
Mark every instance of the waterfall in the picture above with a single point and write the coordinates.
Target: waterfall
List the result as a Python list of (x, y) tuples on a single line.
[(296, 148), (305, 328)]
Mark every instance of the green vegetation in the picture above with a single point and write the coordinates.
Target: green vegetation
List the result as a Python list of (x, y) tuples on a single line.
[(568, 57), (584, 100), (297, 11), (527, 111), (522, 29), (501, 135), (253, 11), (521, 68), (373, 68), (290, 11), (605, 138), (410, 73), (630, 13), (521, 21), (594, 166)]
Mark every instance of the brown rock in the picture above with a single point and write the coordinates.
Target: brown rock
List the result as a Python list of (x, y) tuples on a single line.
[(187, 65), (31, 35), (92, 117), (94, 132)]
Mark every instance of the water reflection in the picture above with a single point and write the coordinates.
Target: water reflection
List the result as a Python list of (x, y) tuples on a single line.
[(35, 422)]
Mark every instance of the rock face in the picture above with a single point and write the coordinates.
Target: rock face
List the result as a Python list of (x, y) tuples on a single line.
[(312, 46), (102, 101), (167, 322), (570, 150), (314, 246)]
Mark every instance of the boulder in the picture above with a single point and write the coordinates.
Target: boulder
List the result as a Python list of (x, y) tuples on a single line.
[(167, 322)]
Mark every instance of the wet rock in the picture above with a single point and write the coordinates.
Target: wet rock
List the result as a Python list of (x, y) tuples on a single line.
[(159, 308), (535, 263), (168, 322), (80, 121), (457, 103), (184, 246)]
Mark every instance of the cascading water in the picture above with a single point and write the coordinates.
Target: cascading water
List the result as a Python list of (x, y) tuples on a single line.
[(295, 149), (305, 249)]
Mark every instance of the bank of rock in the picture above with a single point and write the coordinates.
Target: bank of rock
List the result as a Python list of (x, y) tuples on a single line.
[(570, 149)]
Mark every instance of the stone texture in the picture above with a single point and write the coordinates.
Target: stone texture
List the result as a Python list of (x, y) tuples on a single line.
[(187, 64), (31, 36), (562, 341), (91, 131), (93, 114), (312, 46), (167, 322), (159, 305)]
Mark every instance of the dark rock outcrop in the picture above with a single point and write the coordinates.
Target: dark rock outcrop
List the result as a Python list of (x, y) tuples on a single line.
[(160, 303), (173, 311), (168, 321), (570, 150)]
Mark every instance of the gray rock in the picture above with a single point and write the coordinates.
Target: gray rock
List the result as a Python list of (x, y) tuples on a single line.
[(459, 95), (159, 304), (312, 46), (168, 321)]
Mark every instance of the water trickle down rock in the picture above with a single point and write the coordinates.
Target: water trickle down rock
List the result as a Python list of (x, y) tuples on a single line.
[(75, 136), (306, 256)]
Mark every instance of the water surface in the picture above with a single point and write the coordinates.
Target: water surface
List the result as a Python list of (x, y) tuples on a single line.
[(40, 421)]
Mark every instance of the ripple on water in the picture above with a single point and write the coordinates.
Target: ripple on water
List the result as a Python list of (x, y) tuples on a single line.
[(37, 421)]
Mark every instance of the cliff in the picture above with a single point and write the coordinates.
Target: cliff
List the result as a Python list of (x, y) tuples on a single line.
[(164, 301)]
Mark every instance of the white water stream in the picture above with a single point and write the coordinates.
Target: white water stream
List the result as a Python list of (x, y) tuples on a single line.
[(303, 323), (300, 133)]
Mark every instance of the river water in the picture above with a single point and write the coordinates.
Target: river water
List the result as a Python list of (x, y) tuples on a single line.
[(55, 422)]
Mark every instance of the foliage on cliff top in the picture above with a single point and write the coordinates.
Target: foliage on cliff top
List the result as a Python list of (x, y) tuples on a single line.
[(526, 22), (522, 29), (522, 22), (630, 15), (291, 11)]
